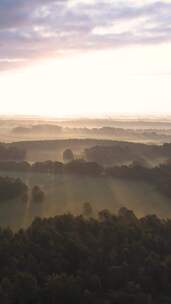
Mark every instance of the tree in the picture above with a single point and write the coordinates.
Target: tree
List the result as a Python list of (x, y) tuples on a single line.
[(37, 195), (104, 215), (68, 155), (127, 215), (11, 189)]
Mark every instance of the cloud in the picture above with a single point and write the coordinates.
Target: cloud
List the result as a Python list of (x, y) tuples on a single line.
[(35, 29)]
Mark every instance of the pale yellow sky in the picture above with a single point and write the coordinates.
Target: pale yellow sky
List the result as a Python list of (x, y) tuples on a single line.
[(132, 79)]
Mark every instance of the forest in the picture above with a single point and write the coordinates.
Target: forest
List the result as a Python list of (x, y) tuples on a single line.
[(115, 259)]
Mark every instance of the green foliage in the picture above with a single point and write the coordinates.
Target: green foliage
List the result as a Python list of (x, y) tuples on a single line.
[(67, 259)]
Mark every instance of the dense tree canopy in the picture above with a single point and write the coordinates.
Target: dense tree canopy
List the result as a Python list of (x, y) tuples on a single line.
[(66, 259)]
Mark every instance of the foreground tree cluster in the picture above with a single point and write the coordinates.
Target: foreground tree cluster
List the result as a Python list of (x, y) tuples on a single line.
[(66, 259)]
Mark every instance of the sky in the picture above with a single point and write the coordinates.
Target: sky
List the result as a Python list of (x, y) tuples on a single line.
[(85, 57)]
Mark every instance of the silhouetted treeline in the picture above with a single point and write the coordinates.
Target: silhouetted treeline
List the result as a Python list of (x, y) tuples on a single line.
[(104, 152), (160, 176), (122, 152), (9, 152), (39, 128), (73, 260), (100, 132), (74, 167)]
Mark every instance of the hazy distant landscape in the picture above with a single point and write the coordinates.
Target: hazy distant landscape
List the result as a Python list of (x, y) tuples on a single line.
[(145, 130), (92, 174)]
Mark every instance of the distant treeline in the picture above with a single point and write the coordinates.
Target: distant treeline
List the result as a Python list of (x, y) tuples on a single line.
[(40, 128), (75, 260), (54, 167), (160, 176), (104, 152), (107, 131), (122, 152)]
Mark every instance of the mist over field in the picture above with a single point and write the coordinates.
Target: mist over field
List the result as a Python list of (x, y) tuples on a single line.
[(68, 193), (102, 142)]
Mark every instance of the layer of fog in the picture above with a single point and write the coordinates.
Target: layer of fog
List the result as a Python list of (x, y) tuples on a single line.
[(133, 129)]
